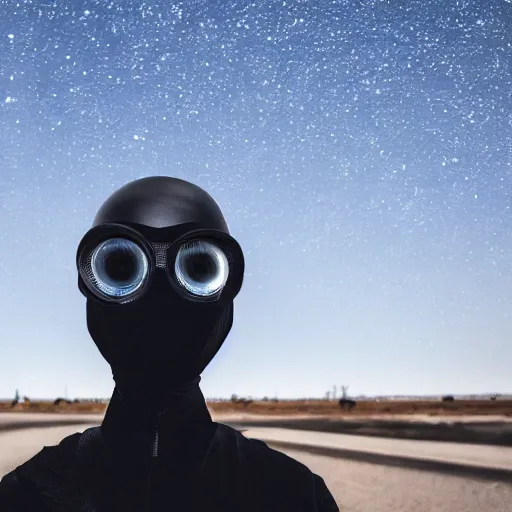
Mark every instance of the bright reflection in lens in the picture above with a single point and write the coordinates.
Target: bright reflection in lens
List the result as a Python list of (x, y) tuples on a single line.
[(119, 267), (201, 268)]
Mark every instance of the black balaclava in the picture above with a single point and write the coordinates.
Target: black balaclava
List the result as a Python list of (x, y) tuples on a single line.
[(160, 336)]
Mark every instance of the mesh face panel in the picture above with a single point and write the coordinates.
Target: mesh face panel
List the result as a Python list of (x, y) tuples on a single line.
[(161, 254)]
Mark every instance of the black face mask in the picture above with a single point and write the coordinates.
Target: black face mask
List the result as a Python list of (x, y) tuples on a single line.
[(160, 272)]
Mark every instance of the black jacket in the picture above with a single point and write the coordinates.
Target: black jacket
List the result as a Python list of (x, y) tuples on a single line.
[(179, 461)]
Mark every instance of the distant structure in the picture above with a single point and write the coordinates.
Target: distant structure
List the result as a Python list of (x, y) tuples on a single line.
[(59, 401), (244, 401), (345, 402), (448, 398), (16, 398)]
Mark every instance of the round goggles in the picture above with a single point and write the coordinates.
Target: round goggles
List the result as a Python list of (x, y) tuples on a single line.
[(116, 263)]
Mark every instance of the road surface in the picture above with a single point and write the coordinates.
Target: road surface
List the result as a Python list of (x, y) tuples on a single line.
[(356, 486)]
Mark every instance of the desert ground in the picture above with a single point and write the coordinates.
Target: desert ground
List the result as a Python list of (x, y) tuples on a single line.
[(306, 408)]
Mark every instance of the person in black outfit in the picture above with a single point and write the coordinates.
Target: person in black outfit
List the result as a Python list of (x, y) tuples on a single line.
[(160, 271)]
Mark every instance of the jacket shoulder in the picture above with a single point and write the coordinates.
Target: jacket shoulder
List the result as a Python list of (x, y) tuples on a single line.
[(257, 452), (46, 481), (263, 478), (52, 459)]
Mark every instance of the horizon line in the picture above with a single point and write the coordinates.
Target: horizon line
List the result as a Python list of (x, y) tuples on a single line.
[(264, 398)]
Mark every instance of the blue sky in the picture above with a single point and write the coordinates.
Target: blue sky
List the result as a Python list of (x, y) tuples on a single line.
[(361, 153)]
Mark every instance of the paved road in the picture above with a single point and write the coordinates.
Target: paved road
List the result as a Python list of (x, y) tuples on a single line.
[(356, 486)]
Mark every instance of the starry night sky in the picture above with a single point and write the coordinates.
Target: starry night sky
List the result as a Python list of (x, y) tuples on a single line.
[(360, 150)]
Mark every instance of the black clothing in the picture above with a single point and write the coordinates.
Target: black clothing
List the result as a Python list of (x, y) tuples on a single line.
[(192, 464), (160, 272)]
